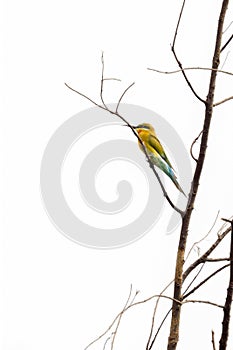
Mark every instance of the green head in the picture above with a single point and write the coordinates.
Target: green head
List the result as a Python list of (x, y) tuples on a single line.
[(145, 126)]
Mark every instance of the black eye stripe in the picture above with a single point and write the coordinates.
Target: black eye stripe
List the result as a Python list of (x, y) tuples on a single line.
[(143, 127)]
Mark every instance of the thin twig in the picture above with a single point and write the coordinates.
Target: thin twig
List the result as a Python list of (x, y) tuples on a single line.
[(203, 302), (106, 341), (213, 340), (120, 317), (158, 330), (203, 258), (190, 68), (148, 346), (227, 43), (181, 212), (192, 145), (217, 259), (126, 309), (85, 96), (186, 78), (223, 101), (177, 60), (123, 94), (178, 23), (225, 60), (132, 301), (197, 68), (111, 79), (227, 220), (205, 280), (203, 238), (102, 81), (195, 277), (229, 25)]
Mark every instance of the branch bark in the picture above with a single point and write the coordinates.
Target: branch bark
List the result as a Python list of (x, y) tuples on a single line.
[(177, 295), (228, 302)]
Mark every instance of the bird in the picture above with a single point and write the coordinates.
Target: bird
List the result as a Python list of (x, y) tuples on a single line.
[(156, 152)]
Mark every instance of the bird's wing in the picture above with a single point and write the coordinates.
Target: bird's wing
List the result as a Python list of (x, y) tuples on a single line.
[(155, 143)]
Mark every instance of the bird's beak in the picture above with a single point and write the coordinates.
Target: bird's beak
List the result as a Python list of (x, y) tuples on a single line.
[(134, 127)]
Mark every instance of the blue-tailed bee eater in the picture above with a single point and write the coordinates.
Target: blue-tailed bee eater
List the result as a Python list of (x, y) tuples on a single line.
[(155, 151)]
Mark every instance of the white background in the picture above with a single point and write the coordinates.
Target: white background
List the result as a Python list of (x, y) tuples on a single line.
[(57, 294)]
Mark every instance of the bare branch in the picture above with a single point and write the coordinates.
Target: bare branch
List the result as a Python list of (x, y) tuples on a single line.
[(226, 220), (106, 342), (178, 23), (227, 43), (102, 81), (120, 317), (177, 60), (105, 108), (186, 78), (223, 101), (158, 296), (124, 92), (203, 302), (126, 309), (190, 68), (195, 277), (85, 96), (207, 259), (186, 215), (205, 280), (213, 340), (168, 312), (229, 25), (203, 258), (148, 346), (197, 68), (225, 60), (181, 212), (192, 145), (203, 238), (111, 79), (217, 259)]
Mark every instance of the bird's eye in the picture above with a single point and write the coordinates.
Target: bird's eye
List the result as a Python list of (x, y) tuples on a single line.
[(142, 126)]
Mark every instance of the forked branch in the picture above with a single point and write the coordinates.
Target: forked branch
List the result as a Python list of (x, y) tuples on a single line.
[(179, 278), (115, 112), (176, 57)]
